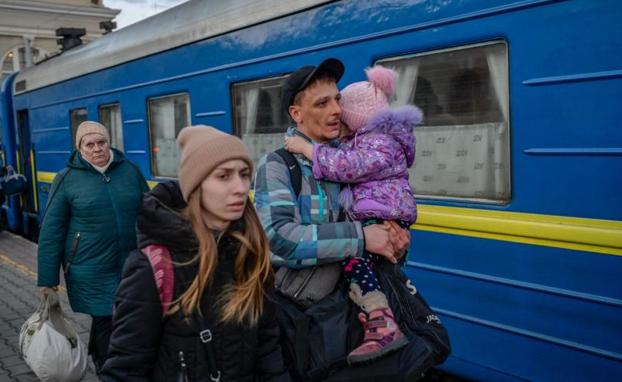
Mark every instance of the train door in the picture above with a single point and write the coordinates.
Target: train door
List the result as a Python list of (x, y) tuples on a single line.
[(26, 166)]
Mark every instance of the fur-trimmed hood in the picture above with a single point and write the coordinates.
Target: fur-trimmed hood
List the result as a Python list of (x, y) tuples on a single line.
[(399, 123), (375, 161)]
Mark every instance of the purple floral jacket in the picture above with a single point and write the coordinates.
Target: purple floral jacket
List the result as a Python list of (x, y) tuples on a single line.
[(375, 162)]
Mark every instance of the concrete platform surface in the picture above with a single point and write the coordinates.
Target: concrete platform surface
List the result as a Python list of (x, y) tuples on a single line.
[(19, 298)]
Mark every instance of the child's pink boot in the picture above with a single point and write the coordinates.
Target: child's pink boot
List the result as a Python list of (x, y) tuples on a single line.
[(382, 334)]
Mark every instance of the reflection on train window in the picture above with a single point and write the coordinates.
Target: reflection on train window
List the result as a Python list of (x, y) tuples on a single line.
[(77, 116), (167, 116), (110, 116), (463, 145), (258, 116)]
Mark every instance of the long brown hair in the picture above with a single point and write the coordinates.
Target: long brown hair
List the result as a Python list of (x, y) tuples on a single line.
[(242, 300)]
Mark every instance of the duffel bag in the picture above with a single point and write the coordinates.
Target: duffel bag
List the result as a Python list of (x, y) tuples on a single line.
[(50, 346), (13, 183), (317, 340), (412, 312)]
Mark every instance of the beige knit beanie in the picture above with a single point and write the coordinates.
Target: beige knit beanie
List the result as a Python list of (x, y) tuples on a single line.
[(203, 148), (90, 127)]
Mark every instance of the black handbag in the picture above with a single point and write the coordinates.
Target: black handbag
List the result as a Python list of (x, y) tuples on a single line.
[(315, 341), (307, 286)]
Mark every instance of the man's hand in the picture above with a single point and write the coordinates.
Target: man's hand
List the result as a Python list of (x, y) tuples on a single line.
[(378, 241), (400, 239)]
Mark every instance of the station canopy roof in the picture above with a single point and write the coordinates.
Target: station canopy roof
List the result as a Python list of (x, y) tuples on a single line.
[(192, 21)]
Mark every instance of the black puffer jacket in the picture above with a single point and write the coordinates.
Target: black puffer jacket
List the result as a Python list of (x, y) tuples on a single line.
[(145, 346)]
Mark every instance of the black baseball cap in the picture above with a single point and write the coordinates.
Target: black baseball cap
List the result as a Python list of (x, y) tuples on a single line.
[(301, 78)]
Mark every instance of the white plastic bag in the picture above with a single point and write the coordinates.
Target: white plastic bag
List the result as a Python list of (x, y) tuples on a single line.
[(50, 346)]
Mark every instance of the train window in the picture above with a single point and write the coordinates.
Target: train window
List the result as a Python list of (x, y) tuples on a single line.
[(77, 116), (167, 116), (463, 145), (258, 116), (110, 116)]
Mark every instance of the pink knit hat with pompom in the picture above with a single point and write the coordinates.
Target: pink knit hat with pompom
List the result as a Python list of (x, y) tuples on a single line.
[(361, 100)]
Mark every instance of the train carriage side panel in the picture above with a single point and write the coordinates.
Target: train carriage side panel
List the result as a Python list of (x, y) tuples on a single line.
[(524, 284)]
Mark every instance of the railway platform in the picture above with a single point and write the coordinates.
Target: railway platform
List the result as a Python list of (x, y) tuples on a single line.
[(19, 297)]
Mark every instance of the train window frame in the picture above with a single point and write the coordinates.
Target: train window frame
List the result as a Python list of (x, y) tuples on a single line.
[(491, 180), (172, 144), (262, 139), (74, 123), (116, 133)]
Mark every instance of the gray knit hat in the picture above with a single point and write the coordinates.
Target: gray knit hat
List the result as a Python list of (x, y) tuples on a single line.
[(203, 148), (90, 127)]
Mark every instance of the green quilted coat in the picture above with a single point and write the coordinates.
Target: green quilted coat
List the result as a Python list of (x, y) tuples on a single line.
[(89, 229)]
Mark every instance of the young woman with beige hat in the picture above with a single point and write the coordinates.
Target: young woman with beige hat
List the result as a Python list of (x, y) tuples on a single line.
[(204, 314)]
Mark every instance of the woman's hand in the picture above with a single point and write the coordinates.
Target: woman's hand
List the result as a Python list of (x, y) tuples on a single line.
[(298, 145), (46, 290)]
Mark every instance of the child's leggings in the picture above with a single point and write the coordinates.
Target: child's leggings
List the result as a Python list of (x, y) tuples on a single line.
[(360, 270)]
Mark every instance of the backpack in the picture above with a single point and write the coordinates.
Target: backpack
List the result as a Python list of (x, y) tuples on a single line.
[(295, 174), (164, 275), (162, 266)]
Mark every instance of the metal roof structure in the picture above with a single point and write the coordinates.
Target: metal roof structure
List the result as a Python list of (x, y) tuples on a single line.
[(192, 21)]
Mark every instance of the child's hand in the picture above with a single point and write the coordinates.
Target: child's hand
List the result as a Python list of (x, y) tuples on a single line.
[(298, 145), (295, 144)]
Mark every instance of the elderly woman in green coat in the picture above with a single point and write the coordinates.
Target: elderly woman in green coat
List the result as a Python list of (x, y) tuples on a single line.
[(88, 229)]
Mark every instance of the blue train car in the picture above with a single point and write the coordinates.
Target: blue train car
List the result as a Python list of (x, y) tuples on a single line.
[(518, 246)]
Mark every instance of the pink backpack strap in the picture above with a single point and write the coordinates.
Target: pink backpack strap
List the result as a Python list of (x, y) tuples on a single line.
[(162, 266)]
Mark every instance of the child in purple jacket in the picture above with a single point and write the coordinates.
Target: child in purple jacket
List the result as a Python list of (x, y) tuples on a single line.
[(372, 161)]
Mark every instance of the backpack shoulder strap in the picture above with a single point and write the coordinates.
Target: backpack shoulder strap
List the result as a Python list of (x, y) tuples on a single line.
[(295, 174), (162, 266)]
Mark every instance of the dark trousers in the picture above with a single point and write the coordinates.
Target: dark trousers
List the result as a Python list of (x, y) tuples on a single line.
[(101, 328)]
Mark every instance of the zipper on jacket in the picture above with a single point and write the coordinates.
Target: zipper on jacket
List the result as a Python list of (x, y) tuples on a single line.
[(322, 192), (106, 179), (72, 254), (182, 376)]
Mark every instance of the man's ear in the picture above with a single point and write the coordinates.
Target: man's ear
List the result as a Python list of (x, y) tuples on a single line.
[(294, 112)]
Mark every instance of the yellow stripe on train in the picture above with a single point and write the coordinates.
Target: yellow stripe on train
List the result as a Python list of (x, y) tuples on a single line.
[(592, 235), (580, 234), (45, 177)]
